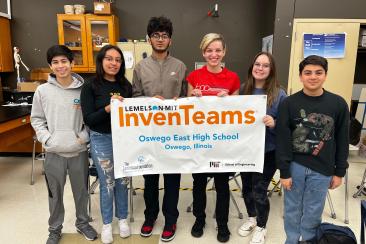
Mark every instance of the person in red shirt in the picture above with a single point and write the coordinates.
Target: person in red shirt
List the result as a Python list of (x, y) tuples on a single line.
[(212, 80)]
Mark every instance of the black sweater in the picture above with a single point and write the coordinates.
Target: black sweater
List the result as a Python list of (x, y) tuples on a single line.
[(313, 131), (93, 102)]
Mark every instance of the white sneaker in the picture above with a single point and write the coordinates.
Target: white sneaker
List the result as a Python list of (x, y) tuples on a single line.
[(259, 236), (124, 228), (107, 235), (247, 227)]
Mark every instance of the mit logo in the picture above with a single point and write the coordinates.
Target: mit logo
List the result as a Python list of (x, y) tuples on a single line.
[(214, 164)]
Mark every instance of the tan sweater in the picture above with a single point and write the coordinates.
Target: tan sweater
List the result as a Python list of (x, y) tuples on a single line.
[(165, 78)]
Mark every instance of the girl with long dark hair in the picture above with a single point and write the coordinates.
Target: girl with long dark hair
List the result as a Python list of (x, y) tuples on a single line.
[(109, 82)]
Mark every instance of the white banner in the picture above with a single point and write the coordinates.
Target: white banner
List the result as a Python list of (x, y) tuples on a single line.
[(188, 135)]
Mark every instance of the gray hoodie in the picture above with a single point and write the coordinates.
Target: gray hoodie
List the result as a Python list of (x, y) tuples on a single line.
[(57, 119)]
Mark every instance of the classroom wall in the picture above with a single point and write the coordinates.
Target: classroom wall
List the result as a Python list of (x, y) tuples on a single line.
[(286, 10), (243, 24)]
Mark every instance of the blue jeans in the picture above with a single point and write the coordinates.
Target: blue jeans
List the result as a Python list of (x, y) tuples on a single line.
[(110, 188), (304, 203)]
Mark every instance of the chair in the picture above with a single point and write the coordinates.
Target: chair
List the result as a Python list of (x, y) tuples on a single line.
[(92, 186), (276, 188), (36, 156), (91, 190), (362, 186), (240, 214), (93, 172), (332, 212), (132, 193)]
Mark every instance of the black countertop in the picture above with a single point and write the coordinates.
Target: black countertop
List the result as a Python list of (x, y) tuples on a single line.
[(9, 113)]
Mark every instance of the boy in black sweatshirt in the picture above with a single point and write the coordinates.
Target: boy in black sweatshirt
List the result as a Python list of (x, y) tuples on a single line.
[(312, 149)]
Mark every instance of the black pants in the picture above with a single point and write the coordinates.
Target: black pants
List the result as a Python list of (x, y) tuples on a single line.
[(255, 187), (222, 196), (170, 200)]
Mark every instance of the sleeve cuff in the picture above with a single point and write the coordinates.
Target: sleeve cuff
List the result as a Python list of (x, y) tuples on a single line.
[(340, 172), (43, 139), (84, 136), (285, 174)]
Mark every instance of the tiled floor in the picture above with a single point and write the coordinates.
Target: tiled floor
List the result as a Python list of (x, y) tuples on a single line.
[(24, 208)]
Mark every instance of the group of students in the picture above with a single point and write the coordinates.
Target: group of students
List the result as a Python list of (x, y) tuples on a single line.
[(311, 148)]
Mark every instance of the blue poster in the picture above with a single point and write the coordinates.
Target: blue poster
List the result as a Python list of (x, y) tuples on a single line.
[(325, 45)]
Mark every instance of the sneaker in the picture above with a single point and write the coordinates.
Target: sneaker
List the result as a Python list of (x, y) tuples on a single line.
[(107, 235), (53, 238), (88, 232), (124, 228), (247, 227), (259, 236), (168, 233), (223, 233), (197, 229), (147, 228)]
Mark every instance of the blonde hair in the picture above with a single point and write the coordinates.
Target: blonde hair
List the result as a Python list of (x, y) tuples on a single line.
[(209, 38)]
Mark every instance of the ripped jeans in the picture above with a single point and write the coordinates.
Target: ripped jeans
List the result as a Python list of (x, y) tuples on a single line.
[(110, 188)]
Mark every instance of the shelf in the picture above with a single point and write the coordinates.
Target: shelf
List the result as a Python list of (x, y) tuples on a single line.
[(75, 48)]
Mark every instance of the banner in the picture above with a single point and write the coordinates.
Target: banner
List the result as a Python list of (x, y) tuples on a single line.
[(188, 135)]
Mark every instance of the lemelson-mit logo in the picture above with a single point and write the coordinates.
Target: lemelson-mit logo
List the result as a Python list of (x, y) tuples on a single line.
[(148, 108), (141, 165), (180, 115)]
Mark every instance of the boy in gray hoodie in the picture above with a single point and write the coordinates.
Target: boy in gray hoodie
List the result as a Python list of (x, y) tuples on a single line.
[(57, 120)]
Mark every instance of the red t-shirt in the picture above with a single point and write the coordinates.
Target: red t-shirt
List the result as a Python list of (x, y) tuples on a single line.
[(211, 84)]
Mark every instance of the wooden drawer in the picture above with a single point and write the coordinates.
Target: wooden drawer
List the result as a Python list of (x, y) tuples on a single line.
[(12, 124)]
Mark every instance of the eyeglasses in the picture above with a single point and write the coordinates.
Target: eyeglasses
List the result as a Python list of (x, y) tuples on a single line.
[(111, 59), (157, 36), (264, 66)]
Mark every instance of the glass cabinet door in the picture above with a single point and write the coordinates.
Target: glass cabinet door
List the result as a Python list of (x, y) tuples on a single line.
[(85, 34), (100, 33), (72, 35)]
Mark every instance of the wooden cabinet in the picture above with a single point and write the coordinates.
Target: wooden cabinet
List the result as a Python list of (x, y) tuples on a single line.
[(6, 54), (16, 132), (133, 53), (85, 34)]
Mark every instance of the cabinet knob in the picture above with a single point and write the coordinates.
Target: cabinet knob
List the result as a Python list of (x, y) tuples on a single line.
[(24, 120)]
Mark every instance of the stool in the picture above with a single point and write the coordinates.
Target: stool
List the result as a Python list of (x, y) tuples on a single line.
[(276, 188), (39, 156), (93, 186), (362, 185), (240, 214)]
